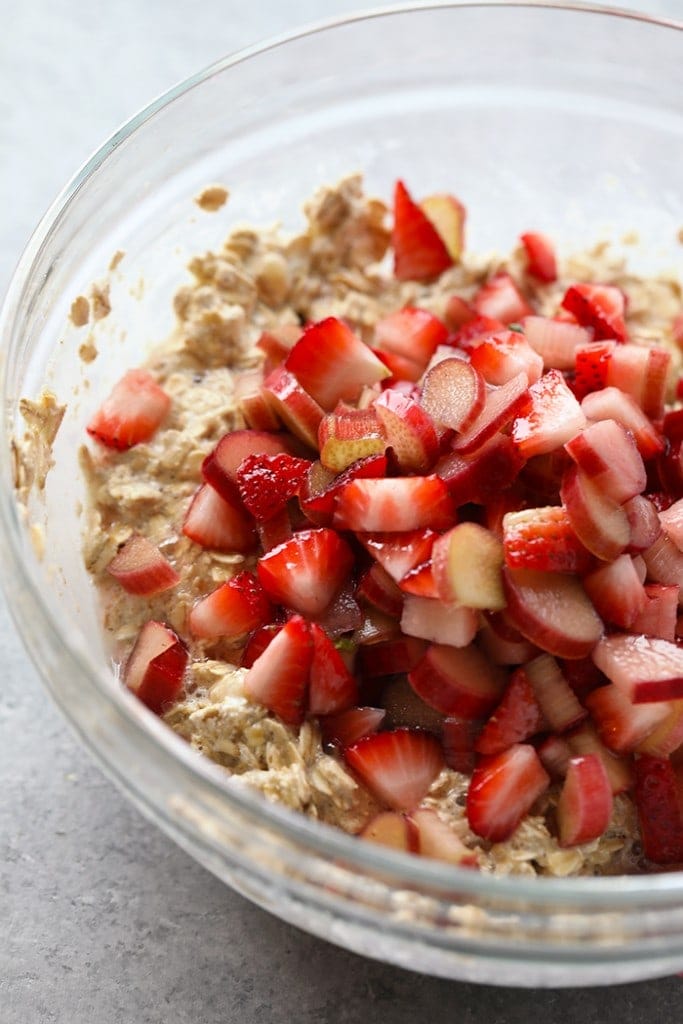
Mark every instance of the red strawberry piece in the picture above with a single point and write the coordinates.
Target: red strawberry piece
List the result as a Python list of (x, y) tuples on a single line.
[(551, 418), (644, 668), (606, 453), (600, 523), (252, 403), (457, 681), (141, 568), (306, 572), (411, 333), (556, 341), (401, 369), (543, 539), (419, 251), (552, 610), (267, 482), (216, 523), (501, 299), (617, 592), (437, 839), (332, 687), (500, 407), (458, 739), (156, 665), (132, 412), (293, 405), (458, 313), (656, 798), (659, 614), (276, 530), (503, 790), (393, 829), (592, 363), (391, 657), (611, 403), (420, 581), (584, 809), (332, 363), (378, 588), (480, 477), (398, 553), (515, 719), (453, 393), (600, 306), (397, 766), (233, 609), (347, 727), (446, 622), (540, 254), (474, 330), (320, 488), (220, 466), (555, 754), (502, 356), (622, 725), (375, 628), (409, 431), (396, 504), (277, 344), (556, 699), (278, 679), (585, 740), (257, 643)]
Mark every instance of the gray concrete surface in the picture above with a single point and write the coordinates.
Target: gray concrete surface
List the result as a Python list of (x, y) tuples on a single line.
[(102, 919)]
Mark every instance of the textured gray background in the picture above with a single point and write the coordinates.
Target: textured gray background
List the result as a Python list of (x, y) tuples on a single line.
[(104, 919)]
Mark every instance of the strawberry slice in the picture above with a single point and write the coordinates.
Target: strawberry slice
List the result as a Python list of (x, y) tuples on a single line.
[(307, 571), (332, 363), (419, 250), (458, 738), (420, 581), (482, 476), (503, 790), (257, 643), (141, 568), (378, 588), (397, 766), (540, 254), (397, 504), (501, 299), (622, 725), (502, 356), (474, 330), (267, 482), (319, 490), (347, 727), (332, 687), (592, 363), (216, 523), (552, 416), (600, 306), (233, 609), (132, 412), (278, 679), (656, 797), (411, 333), (584, 809), (515, 719), (156, 665), (544, 539), (398, 553), (220, 466)]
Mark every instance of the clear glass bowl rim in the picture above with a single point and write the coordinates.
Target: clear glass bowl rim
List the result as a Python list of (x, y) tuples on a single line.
[(407, 871)]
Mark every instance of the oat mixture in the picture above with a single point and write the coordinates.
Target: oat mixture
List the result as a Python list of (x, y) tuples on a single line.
[(261, 280)]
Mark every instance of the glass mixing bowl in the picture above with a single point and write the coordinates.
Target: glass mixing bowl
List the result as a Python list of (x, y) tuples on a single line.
[(565, 119)]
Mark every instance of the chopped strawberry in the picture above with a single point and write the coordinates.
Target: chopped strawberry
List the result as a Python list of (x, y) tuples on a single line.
[(471, 333), (398, 553), (656, 797), (419, 250), (397, 766), (502, 356), (482, 476), (332, 687), (599, 306), (216, 523), (320, 488), (220, 466), (155, 667), (458, 739), (584, 809), (394, 503), (378, 588), (420, 581), (267, 482), (515, 719), (622, 725), (390, 657), (279, 678), (543, 538), (307, 571), (141, 568), (552, 416), (501, 299), (132, 412), (540, 254), (257, 643), (347, 727), (503, 790), (592, 363), (332, 363), (412, 333), (233, 609)]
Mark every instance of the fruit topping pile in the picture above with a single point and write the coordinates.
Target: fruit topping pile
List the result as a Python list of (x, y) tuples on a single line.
[(481, 513)]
